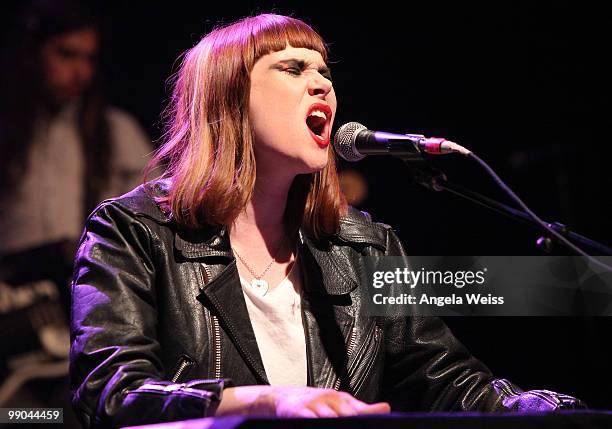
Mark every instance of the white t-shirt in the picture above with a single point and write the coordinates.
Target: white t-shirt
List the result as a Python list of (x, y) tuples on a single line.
[(276, 318)]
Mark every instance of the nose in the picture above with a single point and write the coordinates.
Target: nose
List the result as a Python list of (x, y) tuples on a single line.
[(319, 86)]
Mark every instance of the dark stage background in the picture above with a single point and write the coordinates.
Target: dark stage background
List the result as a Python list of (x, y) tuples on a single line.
[(523, 84)]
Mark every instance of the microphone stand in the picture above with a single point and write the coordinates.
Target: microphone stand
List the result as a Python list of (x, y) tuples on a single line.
[(432, 178)]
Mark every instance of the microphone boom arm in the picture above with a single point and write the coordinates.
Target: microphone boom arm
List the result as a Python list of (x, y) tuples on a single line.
[(434, 179)]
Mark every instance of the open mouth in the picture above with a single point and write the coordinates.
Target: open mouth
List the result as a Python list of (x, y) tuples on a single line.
[(317, 120)]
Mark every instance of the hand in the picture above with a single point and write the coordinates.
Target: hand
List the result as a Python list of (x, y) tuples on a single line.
[(313, 402), (286, 401)]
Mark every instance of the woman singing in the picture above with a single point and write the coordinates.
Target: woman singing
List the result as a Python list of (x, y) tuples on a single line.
[(231, 285)]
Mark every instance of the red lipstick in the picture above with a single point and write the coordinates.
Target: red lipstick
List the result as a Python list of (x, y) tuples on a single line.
[(323, 139)]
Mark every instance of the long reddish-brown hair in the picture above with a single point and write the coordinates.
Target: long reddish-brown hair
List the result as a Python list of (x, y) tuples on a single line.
[(207, 147)]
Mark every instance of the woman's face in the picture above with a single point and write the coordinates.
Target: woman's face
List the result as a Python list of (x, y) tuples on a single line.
[(292, 106)]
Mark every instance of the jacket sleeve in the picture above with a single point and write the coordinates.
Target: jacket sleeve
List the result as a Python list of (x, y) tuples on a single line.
[(427, 368), (116, 374)]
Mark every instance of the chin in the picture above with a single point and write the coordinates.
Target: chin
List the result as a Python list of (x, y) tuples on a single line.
[(314, 164)]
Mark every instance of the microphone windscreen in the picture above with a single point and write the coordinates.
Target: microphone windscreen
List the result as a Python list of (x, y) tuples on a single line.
[(344, 141)]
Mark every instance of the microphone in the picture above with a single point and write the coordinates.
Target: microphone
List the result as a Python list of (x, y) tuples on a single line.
[(354, 142)]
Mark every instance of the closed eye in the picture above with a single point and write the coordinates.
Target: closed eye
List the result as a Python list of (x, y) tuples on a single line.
[(296, 67), (326, 73), (294, 71)]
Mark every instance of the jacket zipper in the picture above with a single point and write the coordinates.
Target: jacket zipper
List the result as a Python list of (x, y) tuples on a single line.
[(216, 331), (217, 346), (309, 375), (368, 358), (349, 353), (185, 362)]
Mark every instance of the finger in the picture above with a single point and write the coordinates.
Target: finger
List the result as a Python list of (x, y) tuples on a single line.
[(306, 413), (342, 403), (344, 408), (324, 410), (377, 408)]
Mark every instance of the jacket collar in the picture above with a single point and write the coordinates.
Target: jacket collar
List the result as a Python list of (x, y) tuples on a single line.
[(356, 227), (203, 243), (336, 256)]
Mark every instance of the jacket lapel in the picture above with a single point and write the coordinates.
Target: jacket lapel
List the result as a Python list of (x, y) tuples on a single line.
[(327, 331), (330, 274), (328, 320), (225, 294), (223, 291)]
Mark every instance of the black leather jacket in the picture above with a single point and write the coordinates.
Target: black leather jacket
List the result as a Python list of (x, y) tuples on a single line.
[(159, 321)]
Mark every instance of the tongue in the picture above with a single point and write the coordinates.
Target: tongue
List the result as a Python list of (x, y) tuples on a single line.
[(316, 124)]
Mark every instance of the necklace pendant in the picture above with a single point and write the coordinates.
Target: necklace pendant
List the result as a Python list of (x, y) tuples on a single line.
[(260, 286)]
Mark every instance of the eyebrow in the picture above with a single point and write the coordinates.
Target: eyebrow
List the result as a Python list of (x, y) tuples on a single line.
[(303, 64)]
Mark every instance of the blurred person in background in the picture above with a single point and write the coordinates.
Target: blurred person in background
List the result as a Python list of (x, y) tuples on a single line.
[(63, 150)]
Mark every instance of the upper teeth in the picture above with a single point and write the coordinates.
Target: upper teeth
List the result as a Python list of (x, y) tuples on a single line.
[(319, 113)]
